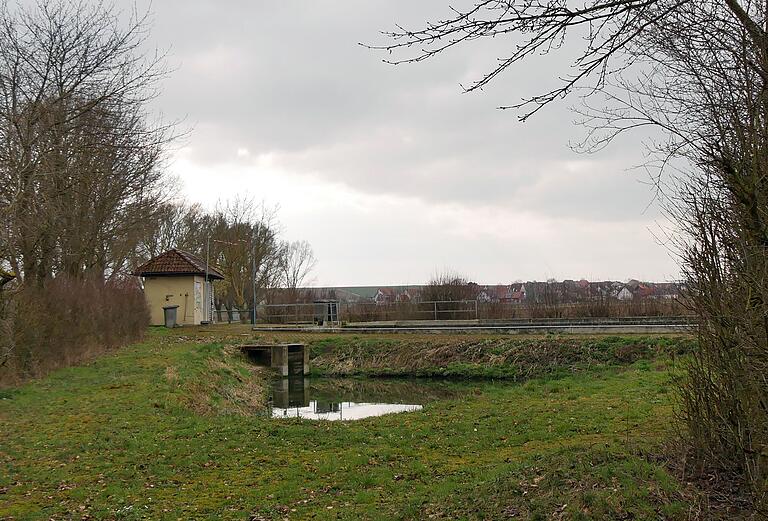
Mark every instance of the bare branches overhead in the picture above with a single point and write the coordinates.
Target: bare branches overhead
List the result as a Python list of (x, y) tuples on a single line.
[(603, 33)]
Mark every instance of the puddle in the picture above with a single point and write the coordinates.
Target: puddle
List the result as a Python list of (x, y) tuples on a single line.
[(352, 398), (341, 410)]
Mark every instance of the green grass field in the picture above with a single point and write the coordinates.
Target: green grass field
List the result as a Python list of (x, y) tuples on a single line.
[(170, 429)]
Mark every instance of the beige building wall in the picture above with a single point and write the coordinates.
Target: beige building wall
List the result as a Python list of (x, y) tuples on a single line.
[(183, 291)]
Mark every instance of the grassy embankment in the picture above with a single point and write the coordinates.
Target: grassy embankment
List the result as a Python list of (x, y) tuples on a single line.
[(162, 430), (497, 357)]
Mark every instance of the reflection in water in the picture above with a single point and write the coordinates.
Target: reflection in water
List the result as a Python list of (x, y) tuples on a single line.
[(349, 399), (290, 392), (341, 411)]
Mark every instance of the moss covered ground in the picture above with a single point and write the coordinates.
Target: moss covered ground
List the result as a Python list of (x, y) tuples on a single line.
[(171, 429)]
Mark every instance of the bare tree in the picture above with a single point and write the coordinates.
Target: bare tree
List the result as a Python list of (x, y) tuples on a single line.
[(240, 238), (448, 285), (6, 319), (80, 161), (609, 33), (247, 249), (172, 226), (297, 262)]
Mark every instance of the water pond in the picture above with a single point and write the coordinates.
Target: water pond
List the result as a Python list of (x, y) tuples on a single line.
[(357, 398)]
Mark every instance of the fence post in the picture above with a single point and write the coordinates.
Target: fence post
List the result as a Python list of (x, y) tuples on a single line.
[(476, 317), (435, 303)]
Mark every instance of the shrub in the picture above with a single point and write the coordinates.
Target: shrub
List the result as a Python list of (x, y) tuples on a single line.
[(66, 321)]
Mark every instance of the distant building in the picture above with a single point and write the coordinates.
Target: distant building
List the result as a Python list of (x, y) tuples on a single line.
[(517, 293), (666, 290), (624, 294), (384, 296)]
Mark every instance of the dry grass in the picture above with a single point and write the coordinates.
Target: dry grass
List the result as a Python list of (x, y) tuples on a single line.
[(227, 385), (466, 356), (171, 374)]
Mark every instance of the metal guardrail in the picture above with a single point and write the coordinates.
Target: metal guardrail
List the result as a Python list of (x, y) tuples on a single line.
[(629, 325), (362, 313), (304, 313), (597, 321), (293, 313), (428, 309)]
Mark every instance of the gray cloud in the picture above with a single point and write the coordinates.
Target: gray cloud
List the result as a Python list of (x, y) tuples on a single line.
[(287, 80)]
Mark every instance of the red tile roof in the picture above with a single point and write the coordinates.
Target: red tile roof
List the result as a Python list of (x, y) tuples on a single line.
[(177, 262)]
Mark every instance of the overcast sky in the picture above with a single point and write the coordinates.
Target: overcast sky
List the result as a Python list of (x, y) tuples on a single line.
[(393, 173)]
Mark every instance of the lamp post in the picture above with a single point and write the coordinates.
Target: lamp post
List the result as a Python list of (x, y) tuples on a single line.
[(208, 292), (253, 282)]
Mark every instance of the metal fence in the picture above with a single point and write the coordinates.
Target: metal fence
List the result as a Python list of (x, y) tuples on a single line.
[(270, 314), (296, 313), (307, 313), (233, 316), (427, 310), (351, 312)]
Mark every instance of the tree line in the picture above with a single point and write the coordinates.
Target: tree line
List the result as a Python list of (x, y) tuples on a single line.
[(80, 160)]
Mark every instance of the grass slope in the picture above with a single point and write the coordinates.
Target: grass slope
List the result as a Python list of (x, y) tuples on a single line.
[(157, 431), (492, 356)]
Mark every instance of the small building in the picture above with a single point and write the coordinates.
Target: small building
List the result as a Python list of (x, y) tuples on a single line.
[(177, 278)]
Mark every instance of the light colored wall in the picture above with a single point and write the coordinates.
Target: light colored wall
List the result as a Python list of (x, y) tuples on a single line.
[(198, 302), (175, 291)]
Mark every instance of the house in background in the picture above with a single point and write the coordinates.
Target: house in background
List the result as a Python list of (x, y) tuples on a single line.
[(404, 296), (384, 296), (177, 278), (624, 294), (517, 295)]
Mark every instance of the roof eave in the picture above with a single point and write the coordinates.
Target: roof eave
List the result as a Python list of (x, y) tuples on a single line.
[(211, 274)]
